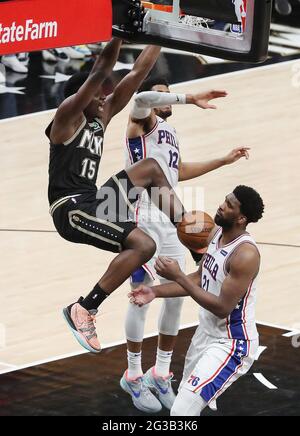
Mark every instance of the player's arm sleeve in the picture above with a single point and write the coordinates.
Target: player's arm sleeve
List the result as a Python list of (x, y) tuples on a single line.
[(146, 101)]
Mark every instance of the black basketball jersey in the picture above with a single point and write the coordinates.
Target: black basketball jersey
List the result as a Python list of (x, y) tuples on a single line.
[(74, 165)]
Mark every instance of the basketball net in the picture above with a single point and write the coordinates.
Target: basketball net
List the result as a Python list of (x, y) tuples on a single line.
[(192, 21)]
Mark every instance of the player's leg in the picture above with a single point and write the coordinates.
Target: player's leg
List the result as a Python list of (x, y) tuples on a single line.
[(169, 318), (159, 377), (104, 223), (132, 381), (220, 364), (188, 404), (135, 326), (148, 174), (196, 349), (137, 248), (148, 220), (145, 275)]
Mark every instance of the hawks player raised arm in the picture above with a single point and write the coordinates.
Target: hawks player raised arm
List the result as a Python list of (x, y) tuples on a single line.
[(69, 115), (129, 85)]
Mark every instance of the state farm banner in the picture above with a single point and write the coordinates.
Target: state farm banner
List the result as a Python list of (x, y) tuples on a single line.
[(28, 25)]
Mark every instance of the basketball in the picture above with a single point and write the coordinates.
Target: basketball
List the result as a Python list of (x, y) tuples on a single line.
[(194, 230)]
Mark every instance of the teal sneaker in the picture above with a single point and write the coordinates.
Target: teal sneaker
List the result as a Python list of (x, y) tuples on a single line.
[(162, 386), (142, 397)]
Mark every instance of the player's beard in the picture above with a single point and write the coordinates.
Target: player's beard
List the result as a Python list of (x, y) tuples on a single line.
[(164, 114), (222, 222)]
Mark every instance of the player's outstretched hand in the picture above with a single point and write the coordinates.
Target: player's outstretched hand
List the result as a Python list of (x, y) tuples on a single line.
[(168, 268), (202, 99), (141, 296), (237, 154)]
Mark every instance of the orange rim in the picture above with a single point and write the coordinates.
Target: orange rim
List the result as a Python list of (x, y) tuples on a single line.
[(163, 8)]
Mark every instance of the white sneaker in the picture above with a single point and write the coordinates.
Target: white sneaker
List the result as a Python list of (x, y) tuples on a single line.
[(83, 49), (55, 55), (142, 397), (13, 63), (161, 386), (77, 52)]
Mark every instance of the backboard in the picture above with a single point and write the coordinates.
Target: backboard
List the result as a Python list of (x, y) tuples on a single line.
[(236, 30)]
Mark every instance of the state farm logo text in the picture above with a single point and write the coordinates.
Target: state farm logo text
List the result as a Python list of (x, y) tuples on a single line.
[(29, 31)]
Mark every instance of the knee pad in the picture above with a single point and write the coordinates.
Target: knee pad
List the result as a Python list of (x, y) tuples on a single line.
[(136, 316), (169, 320), (135, 323)]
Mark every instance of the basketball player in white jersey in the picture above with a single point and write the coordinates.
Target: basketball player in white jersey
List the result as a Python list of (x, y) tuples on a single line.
[(152, 136), (225, 344)]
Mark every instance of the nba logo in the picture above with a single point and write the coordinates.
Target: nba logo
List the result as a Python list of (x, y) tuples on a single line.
[(237, 28), (241, 13)]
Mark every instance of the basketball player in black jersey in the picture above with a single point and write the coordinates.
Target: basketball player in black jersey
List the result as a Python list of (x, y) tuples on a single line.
[(81, 213)]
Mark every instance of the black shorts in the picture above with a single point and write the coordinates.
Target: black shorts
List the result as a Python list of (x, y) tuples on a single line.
[(100, 219)]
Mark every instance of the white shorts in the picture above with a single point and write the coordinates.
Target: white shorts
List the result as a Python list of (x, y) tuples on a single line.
[(213, 365), (156, 225)]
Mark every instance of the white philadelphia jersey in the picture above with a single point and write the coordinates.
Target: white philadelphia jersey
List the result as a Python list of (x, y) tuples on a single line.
[(160, 144), (241, 323)]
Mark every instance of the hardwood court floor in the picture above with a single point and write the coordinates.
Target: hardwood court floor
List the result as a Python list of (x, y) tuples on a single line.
[(40, 273), (88, 385)]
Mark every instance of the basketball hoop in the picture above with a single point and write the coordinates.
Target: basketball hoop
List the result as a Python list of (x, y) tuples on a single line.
[(188, 25)]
